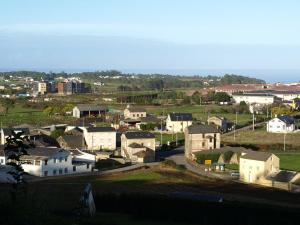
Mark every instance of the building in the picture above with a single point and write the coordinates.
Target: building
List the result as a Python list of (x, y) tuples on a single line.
[(134, 113), (69, 87), (255, 167), (39, 88), (100, 138), (138, 146), (199, 137), (254, 98), (44, 162), (221, 122), (177, 122), (6, 132), (2, 156), (281, 124), (80, 111)]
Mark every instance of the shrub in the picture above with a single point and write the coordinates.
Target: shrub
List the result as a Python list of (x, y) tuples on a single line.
[(227, 156), (214, 157)]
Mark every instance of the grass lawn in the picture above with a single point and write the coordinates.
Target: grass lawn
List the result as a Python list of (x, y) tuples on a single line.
[(168, 137), (262, 137), (289, 161), (232, 166)]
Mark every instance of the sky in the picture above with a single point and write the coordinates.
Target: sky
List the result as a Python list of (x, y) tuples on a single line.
[(255, 37)]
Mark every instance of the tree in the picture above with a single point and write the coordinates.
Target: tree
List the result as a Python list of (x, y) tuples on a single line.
[(196, 97), (6, 103), (57, 133), (281, 110), (186, 100), (221, 97)]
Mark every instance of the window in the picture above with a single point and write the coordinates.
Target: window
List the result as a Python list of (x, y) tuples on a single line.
[(66, 170), (2, 161), (37, 162), (46, 162), (210, 139), (60, 159), (203, 136), (203, 144), (54, 160), (54, 172), (66, 159), (88, 166), (46, 173), (138, 115), (74, 168), (60, 171), (133, 115)]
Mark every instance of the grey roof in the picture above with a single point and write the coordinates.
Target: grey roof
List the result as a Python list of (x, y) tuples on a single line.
[(202, 129), (136, 109), (42, 151), (73, 141), (181, 116), (287, 119), (255, 94), (259, 156), (138, 134), (85, 107), (8, 131), (101, 129)]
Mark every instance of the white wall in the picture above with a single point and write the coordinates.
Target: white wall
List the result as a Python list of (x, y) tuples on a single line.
[(177, 126), (266, 100), (100, 140)]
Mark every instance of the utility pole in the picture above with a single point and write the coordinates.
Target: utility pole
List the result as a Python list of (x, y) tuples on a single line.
[(176, 132), (253, 123), (284, 136), (160, 132), (235, 126)]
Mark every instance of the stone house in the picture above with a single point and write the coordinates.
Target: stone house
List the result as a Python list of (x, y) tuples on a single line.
[(134, 112), (138, 146), (200, 137), (100, 138)]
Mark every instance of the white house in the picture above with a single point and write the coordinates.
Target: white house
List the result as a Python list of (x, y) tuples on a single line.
[(281, 124), (255, 167), (254, 98), (100, 138), (2, 157), (6, 132), (138, 146), (177, 122), (134, 112), (43, 161)]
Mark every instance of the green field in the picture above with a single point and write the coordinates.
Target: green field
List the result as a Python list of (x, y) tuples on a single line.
[(168, 137), (201, 112), (289, 161)]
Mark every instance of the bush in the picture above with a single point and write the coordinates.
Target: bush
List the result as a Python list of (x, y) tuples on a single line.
[(227, 156), (214, 157)]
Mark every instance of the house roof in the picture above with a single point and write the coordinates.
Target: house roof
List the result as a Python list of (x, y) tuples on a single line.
[(86, 107), (258, 156), (73, 141), (143, 153), (8, 131), (136, 109), (138, 134), (202, 129), (181, 116), (287, 119), (101, 129), (42, 152)]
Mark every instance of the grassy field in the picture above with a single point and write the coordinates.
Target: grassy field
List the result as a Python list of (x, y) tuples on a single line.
[(200, 112), (168, 137), (54, 201), (232, 166), (289, 161), (263, 138)]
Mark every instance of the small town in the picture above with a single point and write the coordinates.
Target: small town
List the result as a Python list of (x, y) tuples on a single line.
[(149, 112)]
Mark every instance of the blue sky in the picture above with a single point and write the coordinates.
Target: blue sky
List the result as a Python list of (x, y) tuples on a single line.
[(154, 34)]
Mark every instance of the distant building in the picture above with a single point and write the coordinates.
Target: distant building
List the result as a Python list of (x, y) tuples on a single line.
[(80, 111), (177, 122), (51, 162), (254, 98), (39, 88), (281, 124), (200, 137), (221, 122), (2, 156), (138, 146), (72, 87), (134, 113), (255, 167)]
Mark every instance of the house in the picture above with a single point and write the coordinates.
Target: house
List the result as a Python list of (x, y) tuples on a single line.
[(255, 167), (51, 162), (6, 132), (79, 156), (138, 146), (281, 124), (100, 138), (80, 111), (134, 112), (199, 137), (222, 123), (254, 98), (71, 142), (177, 122)]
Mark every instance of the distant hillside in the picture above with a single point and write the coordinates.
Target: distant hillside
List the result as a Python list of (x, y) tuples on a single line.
[(135, 82)]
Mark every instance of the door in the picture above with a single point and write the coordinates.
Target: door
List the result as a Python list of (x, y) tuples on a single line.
[(250, 180)]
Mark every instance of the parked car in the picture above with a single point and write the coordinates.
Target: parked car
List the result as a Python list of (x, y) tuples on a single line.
[(235, 174)]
